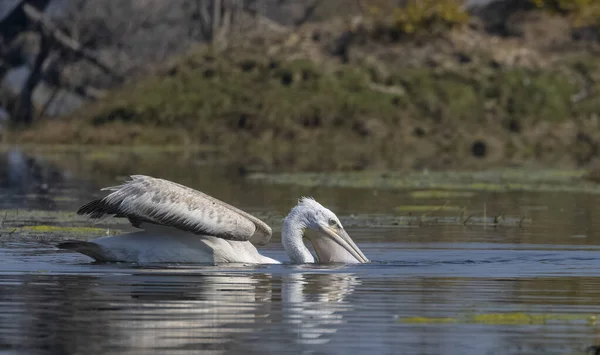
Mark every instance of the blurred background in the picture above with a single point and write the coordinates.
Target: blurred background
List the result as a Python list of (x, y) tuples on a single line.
[(308, 84)]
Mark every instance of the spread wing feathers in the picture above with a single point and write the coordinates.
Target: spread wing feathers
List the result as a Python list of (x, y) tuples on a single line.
[(145, 199)]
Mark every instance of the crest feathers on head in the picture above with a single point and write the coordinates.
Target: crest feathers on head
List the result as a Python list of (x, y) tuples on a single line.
[(305, 199), (309, 202)]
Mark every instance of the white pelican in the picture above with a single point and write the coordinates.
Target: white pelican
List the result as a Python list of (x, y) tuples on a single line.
[(185, 225)]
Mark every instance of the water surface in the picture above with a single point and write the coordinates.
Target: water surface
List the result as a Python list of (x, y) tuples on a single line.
[(435, 286)]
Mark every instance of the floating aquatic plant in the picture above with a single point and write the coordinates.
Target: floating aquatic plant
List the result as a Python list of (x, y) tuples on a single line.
[(62, 229), (509, 318), (430, 194), (427, 208), (501, 180)]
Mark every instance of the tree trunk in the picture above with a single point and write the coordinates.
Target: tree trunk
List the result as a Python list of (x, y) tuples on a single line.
[(24, 109), (216, 19)]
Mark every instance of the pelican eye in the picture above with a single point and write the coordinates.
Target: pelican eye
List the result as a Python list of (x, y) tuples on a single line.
[(333, 223)]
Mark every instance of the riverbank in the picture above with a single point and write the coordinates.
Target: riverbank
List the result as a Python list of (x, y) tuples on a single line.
[(333, 96)]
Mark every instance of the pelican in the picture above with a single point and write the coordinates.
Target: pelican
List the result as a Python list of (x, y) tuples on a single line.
[(181, 224)]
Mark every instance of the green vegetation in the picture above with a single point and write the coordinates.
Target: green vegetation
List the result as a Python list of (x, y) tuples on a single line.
[(509, 318), (581, 12), (489, 180), (292, 100), (60, 229), (427, 208), (425, 194), (418, 18), (42, 226), (43, 223), (279, 111)]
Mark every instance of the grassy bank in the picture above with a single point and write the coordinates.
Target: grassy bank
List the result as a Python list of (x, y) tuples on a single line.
[(297, 100)]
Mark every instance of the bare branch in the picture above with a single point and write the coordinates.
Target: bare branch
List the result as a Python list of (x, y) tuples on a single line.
[(308, 12), (205, 19), (24, 110), (67, 42), (216, 18)]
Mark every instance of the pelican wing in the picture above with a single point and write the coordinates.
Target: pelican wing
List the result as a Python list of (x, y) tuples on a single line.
[(145, 199)]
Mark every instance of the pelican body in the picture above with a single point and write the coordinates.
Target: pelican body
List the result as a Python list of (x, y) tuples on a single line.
[(180, 224)]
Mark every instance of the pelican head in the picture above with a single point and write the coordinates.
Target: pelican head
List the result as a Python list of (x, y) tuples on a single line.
[(331, 241)]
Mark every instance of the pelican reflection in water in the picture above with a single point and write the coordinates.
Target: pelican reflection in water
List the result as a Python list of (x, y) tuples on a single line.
[(315, 304), (158, 311), (230, 309), (181, 224)]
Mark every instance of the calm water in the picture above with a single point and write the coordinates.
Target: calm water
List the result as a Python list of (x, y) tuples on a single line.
[(433, 288)]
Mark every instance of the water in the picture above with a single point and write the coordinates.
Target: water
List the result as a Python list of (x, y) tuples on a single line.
[(432, 288)]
